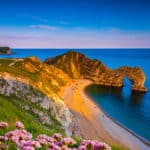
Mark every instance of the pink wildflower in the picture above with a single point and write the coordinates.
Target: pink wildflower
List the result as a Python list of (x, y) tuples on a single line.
[(23, 140), (82, 147), (68, 141), (19, 125), (2, 138), (3, 125), (3, 146), (57, 136)]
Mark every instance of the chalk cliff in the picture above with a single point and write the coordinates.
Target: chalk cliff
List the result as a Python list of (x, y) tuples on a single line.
[(38, 85)]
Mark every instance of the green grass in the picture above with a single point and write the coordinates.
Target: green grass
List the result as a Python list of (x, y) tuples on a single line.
[(115, 147), (5, 62), (11, 113)]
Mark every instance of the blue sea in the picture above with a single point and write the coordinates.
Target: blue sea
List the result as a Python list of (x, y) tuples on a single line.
[(132, 110)]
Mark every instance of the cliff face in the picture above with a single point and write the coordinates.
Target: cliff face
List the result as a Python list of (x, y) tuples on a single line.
[(5, 50), (38, 85), (77, 65)]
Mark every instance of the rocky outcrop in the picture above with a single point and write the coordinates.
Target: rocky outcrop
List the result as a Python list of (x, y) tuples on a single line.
[(77, 65), (5, 50)]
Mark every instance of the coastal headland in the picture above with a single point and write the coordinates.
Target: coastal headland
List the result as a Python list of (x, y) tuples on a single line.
[(5, 50), (78, 66)]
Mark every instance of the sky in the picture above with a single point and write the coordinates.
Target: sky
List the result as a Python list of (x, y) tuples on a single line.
[(75, 23)]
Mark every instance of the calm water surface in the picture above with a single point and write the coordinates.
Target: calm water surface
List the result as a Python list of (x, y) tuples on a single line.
[(132, 110)]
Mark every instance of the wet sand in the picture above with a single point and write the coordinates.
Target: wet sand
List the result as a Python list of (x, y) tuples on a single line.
[(91, 123)]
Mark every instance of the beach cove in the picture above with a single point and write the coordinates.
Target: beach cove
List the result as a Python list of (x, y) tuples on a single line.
[(91, 122)]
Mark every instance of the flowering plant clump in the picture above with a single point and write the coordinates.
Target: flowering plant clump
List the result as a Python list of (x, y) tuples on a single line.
[(3, 125), (23, 140), (19, 125)]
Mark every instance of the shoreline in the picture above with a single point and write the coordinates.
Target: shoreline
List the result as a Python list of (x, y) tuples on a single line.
[(88, 115), (119, 124)]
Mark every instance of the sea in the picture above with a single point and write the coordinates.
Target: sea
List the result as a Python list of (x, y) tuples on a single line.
[(129, 109)]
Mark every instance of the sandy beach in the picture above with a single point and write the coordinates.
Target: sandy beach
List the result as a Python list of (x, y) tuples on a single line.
[(90, 122)]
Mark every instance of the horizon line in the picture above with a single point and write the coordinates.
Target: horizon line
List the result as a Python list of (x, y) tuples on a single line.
[(80, 48)]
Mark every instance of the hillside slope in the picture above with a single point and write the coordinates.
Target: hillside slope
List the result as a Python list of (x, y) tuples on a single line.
[(11, 113), (38, 85)]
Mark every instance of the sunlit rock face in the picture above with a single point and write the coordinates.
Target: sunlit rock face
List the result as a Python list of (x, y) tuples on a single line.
[(135, 75), (77, 65)]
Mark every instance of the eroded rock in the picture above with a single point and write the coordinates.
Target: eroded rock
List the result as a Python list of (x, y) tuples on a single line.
[(77, 65)]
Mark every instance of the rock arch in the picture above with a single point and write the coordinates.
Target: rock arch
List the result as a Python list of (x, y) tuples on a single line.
[(77, 65), (135, 75)]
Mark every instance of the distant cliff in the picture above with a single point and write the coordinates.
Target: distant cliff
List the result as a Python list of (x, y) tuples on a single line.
[(5, 50), (77, 65)]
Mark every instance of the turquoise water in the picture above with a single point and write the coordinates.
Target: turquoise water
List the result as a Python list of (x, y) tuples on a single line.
[(132, 110)]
